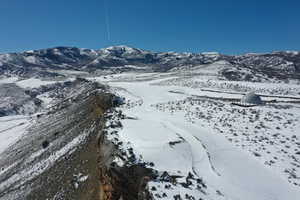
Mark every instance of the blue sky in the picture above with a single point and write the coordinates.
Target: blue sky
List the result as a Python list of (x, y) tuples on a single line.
[(226, 26)]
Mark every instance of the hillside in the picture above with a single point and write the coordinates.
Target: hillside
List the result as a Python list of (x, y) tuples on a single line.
[(276, 66)]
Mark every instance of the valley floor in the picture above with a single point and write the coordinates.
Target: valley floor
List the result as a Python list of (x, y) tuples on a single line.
[(239, 153)]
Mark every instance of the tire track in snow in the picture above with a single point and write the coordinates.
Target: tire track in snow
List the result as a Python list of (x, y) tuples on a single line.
[(208, 155), (189, 138)]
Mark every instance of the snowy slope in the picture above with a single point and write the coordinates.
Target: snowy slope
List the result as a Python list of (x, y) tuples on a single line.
[(11, 129), (163, 128)]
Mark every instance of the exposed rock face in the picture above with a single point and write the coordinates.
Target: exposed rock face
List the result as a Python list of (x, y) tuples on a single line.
[(128, 182), (49, 62), (76, 176)]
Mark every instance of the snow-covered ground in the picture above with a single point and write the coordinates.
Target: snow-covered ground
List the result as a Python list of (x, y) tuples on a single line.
[(8, 80), (11, 129), (239, 153), (25, 83), (186, 126), (33, 83)]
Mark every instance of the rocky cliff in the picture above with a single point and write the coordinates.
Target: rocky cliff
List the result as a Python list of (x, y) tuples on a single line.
[(65, 153)]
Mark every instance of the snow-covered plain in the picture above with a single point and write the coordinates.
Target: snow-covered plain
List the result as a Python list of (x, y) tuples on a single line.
[(239, 153)]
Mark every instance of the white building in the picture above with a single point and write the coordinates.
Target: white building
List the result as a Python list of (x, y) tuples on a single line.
[(251, 99)]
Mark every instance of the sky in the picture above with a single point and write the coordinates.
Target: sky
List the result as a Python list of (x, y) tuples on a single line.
[(225, 26)]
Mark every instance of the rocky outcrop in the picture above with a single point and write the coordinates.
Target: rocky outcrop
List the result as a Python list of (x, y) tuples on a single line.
[(127, 182)]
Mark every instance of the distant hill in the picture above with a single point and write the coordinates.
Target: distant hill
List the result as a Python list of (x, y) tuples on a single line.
[(281, 66)]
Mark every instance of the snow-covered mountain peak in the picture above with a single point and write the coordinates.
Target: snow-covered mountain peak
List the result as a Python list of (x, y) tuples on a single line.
[(210, 53), (121, 49)]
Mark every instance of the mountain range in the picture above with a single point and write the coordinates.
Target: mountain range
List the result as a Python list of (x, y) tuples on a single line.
[(249, 67)]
